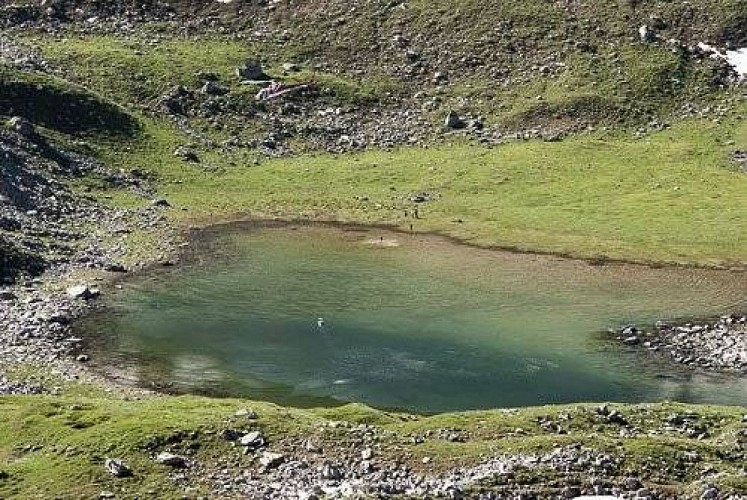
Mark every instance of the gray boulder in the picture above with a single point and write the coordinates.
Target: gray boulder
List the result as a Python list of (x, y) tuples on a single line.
[(270, 460), (454, 121), (117, 468), (253, 440), (82, 292), (646, 34), (171, 460), (252, 70)]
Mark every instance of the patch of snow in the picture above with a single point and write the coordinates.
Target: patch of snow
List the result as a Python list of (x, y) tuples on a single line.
[(737, 59)]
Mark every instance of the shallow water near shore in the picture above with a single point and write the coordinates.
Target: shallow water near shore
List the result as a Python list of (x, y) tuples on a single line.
[(316, 314)]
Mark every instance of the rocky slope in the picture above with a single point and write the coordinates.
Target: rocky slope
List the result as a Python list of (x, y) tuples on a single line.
[(505, 69), (45, 226)]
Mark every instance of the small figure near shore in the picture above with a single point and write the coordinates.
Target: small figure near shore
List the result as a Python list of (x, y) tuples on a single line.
[(320, 322)]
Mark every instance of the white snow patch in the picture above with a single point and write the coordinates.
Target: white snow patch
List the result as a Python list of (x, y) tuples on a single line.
[(737, 59)]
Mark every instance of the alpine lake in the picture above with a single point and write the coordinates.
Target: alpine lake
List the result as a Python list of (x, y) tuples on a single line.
[(310, 315)]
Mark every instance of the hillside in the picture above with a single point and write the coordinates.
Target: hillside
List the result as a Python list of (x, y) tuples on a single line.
[(597, 130)]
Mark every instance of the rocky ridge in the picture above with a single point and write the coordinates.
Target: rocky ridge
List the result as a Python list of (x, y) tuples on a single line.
[(434, 73)]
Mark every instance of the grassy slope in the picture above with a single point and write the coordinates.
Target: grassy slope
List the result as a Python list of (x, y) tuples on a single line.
[(669, 197), (50, 445)]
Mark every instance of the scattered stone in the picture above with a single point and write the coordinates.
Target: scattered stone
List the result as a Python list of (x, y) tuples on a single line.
[(186, 154), (230, 434), (332, 472), (253, 440), (171, 460), (740, 157), (246, 413), (715, 346), (251, 71), (270, 460), (160, 202), (117, 468), (633, 484), (454, 121), (646, 34), (710, 493), (213, 88), (422, 197), (82, 292)]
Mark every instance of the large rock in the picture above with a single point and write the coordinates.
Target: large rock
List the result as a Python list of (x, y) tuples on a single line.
[(454, 121), (251, 71), (646, 34), (171, 460), (82, 292), (213, 88), (270, 460), (117, 468), (253, 440), (246, 413)]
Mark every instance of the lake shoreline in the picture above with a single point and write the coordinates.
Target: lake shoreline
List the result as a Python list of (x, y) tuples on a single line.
[(601, 260), (195, 244)]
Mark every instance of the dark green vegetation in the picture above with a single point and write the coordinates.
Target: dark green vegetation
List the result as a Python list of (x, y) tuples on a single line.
[(51, 445)]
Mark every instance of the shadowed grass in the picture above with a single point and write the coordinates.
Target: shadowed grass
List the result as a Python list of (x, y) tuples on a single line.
[(59, 106)]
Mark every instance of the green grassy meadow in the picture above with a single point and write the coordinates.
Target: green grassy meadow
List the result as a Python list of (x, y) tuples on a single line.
[(670, 197)]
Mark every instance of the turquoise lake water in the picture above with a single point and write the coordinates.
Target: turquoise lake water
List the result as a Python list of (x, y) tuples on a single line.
[(409, 322)]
